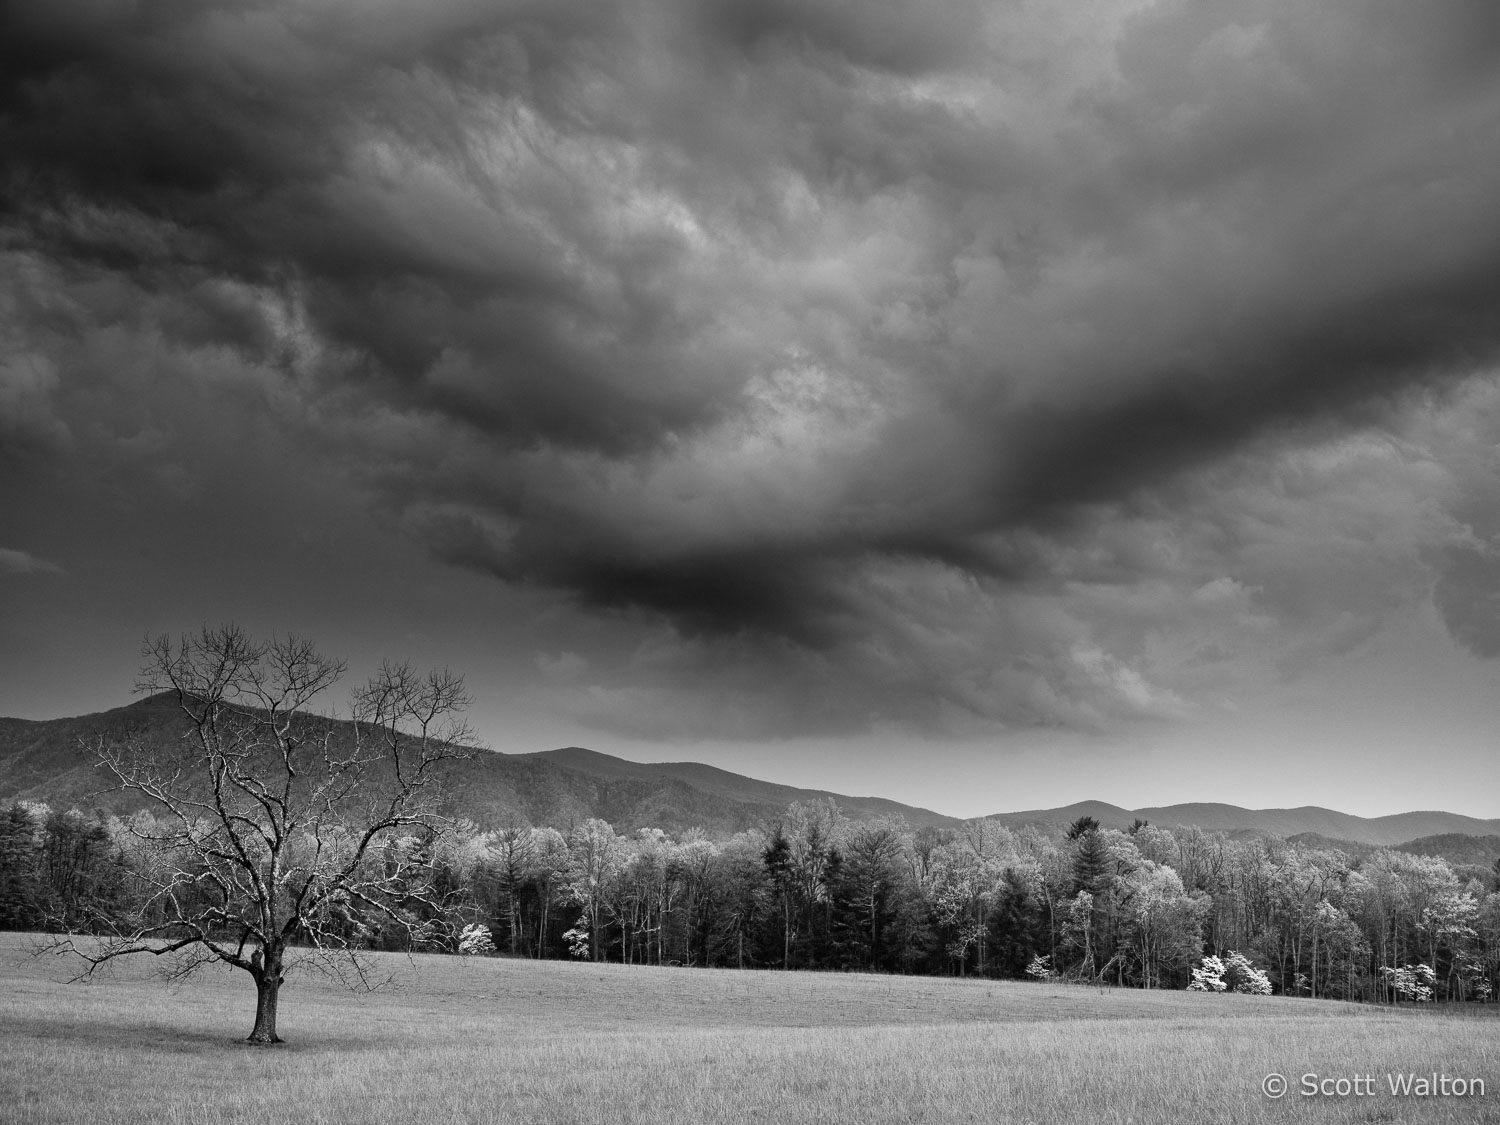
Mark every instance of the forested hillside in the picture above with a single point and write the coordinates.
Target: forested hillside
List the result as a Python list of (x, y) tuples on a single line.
[(47, 761)]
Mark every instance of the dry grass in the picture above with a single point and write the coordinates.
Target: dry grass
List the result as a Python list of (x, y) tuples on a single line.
[(543, 1043)]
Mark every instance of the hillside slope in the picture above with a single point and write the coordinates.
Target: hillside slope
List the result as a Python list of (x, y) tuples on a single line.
[(45, 761)]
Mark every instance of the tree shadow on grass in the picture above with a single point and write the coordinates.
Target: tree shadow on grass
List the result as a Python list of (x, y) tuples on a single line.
[(163, 1038)]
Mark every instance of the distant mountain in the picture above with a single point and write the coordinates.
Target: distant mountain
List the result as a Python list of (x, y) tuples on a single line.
[(1472, 851), (1471, 857), (43, 761), (1381, 831)]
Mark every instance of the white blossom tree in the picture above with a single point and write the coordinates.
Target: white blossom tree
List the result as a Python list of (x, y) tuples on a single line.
[(1242, 976), (1208, 976), (1232, 973), (1412, 982), (476, 941)]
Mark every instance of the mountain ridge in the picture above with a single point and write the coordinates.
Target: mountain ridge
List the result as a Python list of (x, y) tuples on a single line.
[(40, 759), (1381, 831)]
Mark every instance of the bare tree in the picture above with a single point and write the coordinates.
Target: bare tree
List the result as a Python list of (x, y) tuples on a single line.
[(276, 829)]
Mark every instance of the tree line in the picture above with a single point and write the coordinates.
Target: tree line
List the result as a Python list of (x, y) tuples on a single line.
[(813, 889)]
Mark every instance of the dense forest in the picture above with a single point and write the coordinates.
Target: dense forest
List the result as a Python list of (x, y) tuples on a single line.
[(816, 890)]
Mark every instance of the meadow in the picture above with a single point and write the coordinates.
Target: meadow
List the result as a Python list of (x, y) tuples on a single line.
[(493, 1040)]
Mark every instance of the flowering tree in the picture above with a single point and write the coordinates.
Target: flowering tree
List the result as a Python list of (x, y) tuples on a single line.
[(1208, 977), (1412, 982), (578, 941), (1234, 973), (1241, 976), (476, 941)]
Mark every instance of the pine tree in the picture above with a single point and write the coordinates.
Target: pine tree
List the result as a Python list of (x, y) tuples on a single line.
[(1091, 864), (1017, 927), (1093, 876), (21, 894), (778, 860), (1082, 827)]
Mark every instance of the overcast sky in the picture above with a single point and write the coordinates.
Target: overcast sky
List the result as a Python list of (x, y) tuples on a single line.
[(986, 405)]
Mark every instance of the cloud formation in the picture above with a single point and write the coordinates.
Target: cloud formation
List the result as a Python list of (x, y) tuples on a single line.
[(20, 562), (941, 364)]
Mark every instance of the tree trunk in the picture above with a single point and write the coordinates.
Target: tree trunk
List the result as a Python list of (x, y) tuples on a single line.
[(1315, 960), (267, 990), (267, 972)]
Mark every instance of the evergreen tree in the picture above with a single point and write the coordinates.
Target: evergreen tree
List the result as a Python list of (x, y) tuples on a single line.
[(21, 896), (866, 880), (1082, 827), (778, 862), (1091, 863), (1017, 927), (1093, 876)]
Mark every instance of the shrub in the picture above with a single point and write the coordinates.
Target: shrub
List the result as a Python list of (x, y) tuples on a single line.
[(1234, 973), (1242, 976), (578, 941), (477, 941), (1208, 977), (1413, 983)]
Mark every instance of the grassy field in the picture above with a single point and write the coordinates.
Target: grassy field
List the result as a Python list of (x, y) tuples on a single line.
[(544, 1042)]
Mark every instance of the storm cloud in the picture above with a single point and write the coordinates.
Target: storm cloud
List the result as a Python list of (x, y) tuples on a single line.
[(945, 364)]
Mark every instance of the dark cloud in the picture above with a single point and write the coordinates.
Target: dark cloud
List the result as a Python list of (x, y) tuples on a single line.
[(886, 34), (810, 322), (1467, 587), (1468, 596)]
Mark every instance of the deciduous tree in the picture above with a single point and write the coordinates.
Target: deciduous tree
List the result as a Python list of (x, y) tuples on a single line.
[(275, 828)]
